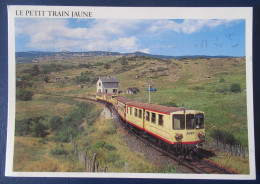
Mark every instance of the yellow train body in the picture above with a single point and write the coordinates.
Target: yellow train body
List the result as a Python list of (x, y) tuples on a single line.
[(170, 124)]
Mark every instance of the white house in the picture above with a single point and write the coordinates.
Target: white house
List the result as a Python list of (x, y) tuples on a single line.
[(107, 85)]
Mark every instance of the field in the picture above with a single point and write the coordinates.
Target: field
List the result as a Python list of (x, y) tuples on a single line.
[(194, 83)]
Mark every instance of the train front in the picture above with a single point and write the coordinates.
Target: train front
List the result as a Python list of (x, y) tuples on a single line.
[(188, 130)]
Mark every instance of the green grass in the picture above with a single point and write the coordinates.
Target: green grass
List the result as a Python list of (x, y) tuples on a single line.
[(191, 83)]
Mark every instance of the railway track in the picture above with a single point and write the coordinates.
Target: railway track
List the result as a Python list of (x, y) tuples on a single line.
[(199, 166)]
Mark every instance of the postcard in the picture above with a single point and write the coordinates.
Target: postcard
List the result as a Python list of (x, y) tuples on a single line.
[(130, 92)]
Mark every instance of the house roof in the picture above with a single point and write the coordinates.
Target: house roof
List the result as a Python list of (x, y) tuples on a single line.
[(108, 79), (110, 85)]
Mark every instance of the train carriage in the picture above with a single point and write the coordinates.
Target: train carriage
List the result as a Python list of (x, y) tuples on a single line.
[(120, 106), (172, 126)]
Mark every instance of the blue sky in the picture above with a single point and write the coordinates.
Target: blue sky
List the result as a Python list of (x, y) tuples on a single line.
[(162, 37)]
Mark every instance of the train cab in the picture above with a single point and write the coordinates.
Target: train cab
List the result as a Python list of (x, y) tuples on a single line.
[(188, 127)]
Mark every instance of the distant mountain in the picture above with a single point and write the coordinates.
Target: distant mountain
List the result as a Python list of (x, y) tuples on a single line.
[(31, 56)]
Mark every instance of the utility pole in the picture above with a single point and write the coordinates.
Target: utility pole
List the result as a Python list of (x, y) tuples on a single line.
[(149, 92)]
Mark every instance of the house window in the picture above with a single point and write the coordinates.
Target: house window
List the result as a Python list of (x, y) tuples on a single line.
[(178, 122), (114, 90), (106, 90), (160, 122), (135, 112), (99, 84), (140, 113), (153, 117), (147, 116)]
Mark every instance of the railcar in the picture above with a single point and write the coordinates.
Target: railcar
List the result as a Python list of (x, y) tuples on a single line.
[(173, 127)]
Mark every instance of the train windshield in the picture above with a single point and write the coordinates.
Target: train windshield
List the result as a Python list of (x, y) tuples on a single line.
[(190, 121), (199, 120)]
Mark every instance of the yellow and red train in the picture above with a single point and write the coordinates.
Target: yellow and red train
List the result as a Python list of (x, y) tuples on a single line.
[(174, 127)]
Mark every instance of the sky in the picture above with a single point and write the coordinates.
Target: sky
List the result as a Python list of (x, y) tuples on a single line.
[(175, 37)]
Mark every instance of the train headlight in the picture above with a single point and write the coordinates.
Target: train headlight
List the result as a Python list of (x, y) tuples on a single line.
[(178, 137), (201, 135)]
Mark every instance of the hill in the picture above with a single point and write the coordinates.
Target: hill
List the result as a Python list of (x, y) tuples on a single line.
[(194, 83), (33, 56)]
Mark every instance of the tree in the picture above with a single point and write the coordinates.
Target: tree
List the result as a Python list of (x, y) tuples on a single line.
[(35, 70), (46, 79), (107, 66), (24, 95), (39, 130), (55, 123)]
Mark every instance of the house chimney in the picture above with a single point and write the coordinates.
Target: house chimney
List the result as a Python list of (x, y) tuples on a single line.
[(108, 77)]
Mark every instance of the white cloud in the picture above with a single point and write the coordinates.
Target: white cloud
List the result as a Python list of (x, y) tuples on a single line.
[(146, 50), (103, 34), (189, 25)]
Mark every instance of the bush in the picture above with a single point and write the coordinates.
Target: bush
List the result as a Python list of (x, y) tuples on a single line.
[(24, 95), (222, 80), (107, 66), (59, 151), (55, 123), (235, 88), (22, 127), (39, 130), (34, 71), (46, 78), (224, 137)]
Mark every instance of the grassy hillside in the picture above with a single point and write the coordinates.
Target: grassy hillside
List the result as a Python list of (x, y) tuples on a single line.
[(202, 84)]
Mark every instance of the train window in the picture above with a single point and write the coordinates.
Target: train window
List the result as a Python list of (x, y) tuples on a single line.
[(135, 112), (147, 116), (178, 122), (160, 122), (140, 113), (130, 110), (153, 117), (190, 121), (199, 120)]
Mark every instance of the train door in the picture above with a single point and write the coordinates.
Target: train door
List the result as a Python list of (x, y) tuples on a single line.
[(129, 114)]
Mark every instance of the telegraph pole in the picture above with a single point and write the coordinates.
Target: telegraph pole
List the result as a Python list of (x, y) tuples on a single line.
[(149, 92)]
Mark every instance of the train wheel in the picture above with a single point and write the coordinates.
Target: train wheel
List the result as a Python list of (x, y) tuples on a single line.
[(190, 156), (179, 148)]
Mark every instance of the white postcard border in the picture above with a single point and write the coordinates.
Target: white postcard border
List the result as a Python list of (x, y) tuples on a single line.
[(132, 13)]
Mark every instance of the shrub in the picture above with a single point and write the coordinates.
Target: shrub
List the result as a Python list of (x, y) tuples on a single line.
[(22, 127), (222, 80), (46, 78), (224, 137), (39, 130), (24, 95), (107, 66), (59, 151), (34, 71), (55, 123), (235, 88)]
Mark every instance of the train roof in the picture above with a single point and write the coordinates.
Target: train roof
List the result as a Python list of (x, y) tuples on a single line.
[(154, 107), (123, 99), (99, 93)]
